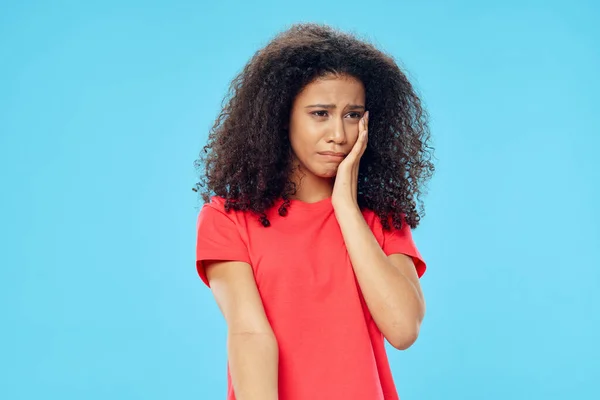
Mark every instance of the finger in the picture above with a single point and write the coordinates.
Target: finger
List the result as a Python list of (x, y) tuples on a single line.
[(359, 147), (364, 134), (357, 151), (365, 122), (360, 141)]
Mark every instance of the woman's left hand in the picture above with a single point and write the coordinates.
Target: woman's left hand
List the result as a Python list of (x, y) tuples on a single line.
[(345, 187)]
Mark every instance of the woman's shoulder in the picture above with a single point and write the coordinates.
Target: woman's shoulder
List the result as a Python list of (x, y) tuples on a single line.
[(216, 208), (370, 216), (214, 217), (374, 222), (216, 202), (219, 203)]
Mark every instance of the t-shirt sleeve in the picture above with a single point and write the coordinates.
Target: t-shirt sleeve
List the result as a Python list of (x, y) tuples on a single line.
[(401, 241), (217, 238)]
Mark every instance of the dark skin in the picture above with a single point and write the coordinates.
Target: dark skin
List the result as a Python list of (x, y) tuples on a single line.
[(248, 159), (325, 118), (389, 284), (329, 116)]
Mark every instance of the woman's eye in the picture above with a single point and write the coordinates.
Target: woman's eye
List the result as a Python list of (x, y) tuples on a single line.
[(354, 115), (320, 113)]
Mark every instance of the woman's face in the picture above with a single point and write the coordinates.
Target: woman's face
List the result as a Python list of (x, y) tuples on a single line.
[(324, 123)]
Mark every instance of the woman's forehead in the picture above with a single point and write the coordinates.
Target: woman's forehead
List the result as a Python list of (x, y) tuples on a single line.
[(333, 91)]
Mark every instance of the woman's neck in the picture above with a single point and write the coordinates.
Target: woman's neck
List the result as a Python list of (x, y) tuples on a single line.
[(311, 188)]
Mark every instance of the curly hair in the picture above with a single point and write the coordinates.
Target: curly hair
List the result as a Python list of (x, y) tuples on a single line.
[(247, 158)]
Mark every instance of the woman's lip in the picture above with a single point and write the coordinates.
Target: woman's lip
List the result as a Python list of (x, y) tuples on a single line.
[(332, 157), (331, 153)]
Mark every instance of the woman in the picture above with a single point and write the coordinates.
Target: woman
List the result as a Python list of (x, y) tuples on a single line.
[(315, 167)]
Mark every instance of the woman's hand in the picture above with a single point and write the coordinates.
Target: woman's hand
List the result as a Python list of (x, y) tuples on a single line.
[(345, 187)]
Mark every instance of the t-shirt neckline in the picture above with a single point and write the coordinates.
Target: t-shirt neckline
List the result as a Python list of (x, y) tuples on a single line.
[(317, 205)]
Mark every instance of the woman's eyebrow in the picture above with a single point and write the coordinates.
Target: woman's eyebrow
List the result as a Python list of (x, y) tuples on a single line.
[(331, 106)]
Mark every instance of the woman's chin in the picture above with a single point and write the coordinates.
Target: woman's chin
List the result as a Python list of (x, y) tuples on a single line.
[(322, 171), (328, 174)]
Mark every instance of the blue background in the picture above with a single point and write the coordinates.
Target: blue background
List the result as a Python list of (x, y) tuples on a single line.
[(105, 105)]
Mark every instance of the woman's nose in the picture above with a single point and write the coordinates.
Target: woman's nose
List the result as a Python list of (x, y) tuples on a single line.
[(338, 132)]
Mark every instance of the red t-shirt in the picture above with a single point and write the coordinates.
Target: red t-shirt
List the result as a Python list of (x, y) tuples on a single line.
[(329, 345)]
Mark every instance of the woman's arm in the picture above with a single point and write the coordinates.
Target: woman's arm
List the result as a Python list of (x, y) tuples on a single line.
[(252, 347), (390, 285)]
